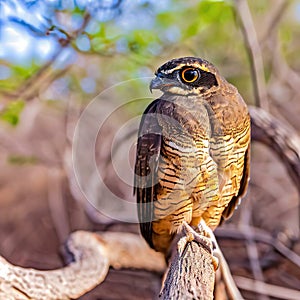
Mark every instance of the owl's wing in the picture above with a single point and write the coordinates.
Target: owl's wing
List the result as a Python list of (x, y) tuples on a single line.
[(228, 211), (148, 150)]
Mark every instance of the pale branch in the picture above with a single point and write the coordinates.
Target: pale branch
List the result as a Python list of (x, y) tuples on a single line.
[(88, 268), (90, 255), (128, 250), (254, 52), (271, 290), (225, 275), (279, 137)]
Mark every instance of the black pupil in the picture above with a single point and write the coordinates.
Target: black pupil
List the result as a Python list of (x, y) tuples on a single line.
[(190, 75)]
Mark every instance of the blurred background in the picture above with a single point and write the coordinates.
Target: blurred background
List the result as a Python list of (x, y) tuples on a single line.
[(57, 56)]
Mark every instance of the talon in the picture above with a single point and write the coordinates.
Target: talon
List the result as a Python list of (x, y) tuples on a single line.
[(190, 236), (181, 245), (215, 262)]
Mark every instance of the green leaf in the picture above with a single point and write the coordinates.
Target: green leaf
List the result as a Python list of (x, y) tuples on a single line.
[(22, 160), (11, 112)]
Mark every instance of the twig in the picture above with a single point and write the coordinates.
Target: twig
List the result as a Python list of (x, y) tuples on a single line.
[(32, 79), (259, 236), (27, 89), (266, 289), (254, 53), (282, 70), (47, 80), (57, 205), (244, 224), (274, 17)]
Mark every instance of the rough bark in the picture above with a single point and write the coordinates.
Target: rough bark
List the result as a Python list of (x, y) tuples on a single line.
[(90, 255), (191, 275)]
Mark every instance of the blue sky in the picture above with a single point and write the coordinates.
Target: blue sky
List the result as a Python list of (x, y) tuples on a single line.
[(24, 25)]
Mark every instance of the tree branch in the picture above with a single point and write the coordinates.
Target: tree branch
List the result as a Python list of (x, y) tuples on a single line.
[(90, 256), (279, 137), (254, 53), (191, 274)]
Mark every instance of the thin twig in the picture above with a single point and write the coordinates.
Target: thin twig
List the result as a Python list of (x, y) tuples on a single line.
[(254, 53), (274, 16), (282, 70), (271, 290), (31, 85), (57, 205), (231, 287), (244, 224), (259, 236), (32, 79)]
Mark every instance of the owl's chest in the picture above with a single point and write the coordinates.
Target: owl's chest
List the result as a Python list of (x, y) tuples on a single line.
[(184, 122), (185, 158)]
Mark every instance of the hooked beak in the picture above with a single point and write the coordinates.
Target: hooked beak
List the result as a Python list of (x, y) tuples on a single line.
[(159, 82)]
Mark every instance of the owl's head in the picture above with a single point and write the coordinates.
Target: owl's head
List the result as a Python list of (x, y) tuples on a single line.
[(186, 76)]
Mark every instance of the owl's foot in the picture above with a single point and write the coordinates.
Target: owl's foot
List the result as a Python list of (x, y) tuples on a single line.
[(203, 229), (206, 231), (203, 238)]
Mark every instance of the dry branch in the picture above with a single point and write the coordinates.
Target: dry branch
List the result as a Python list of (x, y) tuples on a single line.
[(87, 269), (279, 137), (191, 274), (254, 53), (90, 255)]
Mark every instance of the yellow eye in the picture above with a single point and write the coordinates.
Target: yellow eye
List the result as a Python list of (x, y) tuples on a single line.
[(189, 75)]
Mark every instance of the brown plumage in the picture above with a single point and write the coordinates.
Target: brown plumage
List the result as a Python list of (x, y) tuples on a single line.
[(193, 151)]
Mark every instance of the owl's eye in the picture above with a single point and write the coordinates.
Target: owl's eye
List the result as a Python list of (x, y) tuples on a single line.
[(189, 75)]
